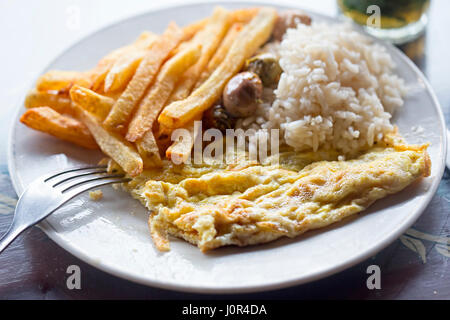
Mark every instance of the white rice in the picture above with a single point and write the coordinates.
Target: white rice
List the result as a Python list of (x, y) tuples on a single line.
[(337, 91)]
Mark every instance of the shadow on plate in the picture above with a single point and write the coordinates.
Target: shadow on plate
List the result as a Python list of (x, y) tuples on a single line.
[(46, 146)]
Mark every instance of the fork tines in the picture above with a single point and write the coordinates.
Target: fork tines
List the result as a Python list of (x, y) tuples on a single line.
[(85, 178)]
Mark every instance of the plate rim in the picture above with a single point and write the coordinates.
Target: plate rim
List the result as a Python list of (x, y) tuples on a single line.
[(267, 286)]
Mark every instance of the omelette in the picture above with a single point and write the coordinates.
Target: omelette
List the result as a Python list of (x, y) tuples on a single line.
[(248, 203)]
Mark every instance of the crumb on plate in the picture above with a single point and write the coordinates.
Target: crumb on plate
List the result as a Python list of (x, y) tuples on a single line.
[(96, 195)]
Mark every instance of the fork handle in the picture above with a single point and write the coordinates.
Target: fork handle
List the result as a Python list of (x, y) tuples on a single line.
[(10, 235)]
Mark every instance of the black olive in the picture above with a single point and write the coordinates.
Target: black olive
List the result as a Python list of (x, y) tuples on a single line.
[(266, 66), (217, 117)]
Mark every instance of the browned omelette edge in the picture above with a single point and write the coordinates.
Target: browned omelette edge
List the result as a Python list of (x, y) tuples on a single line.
[(160, 233)]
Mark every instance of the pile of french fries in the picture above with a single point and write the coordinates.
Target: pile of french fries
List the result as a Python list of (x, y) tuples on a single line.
[(130, 103)]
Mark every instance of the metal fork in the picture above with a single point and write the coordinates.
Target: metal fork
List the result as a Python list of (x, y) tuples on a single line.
[(47, 194)]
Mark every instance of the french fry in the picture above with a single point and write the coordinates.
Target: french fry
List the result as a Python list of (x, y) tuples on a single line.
[(244, 15), (247, 42), (181, 149), (125, 66), (62, 81), (221, 52), (99, 73), (145, 40), (209, 37), (225, 46), (113, 95), (144, 76), (237, 16), (113, 145), (151, 105), (149, 150), (122, 71), (190, 30), (91, 101), (47, 120), (52, 99)]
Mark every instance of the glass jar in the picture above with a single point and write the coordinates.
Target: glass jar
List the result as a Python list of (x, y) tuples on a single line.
[(398, 21)]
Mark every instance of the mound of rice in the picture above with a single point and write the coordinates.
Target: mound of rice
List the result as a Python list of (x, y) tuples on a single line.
[(337, 91)]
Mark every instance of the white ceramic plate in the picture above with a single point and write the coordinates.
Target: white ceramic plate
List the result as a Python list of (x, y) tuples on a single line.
[(112, 234)]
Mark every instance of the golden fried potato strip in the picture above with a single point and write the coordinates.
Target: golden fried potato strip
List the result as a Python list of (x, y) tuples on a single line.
[(125, 66), (149, 150), (122, 71), (144, 76), (91, 101), (191, 30), (47, 120), (59, 103), (62, 81), (152, 104), (209, 38), (113, 145), (247, 42), (99, 73), (244, 15), (221, 53)]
